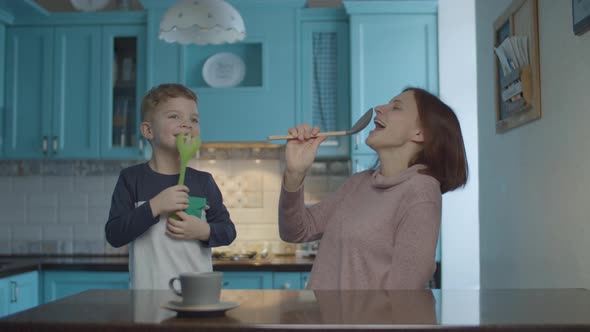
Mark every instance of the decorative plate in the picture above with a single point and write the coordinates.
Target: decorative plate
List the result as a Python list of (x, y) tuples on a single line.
[(224, 70)]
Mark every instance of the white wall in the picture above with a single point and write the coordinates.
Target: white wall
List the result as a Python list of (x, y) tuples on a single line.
[(457, 75), (534, 183)]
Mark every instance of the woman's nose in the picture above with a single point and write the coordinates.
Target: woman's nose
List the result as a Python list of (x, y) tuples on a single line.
[(378, 109)]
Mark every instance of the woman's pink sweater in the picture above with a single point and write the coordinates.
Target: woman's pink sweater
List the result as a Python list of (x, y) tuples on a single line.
[(376, 232)]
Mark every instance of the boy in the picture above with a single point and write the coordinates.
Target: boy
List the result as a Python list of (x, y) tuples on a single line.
[(146, 195)]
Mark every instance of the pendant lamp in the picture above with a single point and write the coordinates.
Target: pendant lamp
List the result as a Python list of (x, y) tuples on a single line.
[(202, 22)]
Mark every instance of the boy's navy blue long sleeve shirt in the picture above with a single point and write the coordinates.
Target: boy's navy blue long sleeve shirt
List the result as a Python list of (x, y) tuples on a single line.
[(139, 183)]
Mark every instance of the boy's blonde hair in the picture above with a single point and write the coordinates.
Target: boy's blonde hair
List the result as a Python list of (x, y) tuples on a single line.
[(162, 93)]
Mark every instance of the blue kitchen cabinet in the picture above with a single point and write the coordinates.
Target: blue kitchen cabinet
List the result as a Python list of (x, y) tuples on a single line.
[(393, 45), (325, 79), (286, 280), (264, 103), (73, 87), (59, 284), (24, 291), (4, 296), (52, 104), (304, 279), (2, 80), (247, 280), (29, 77), (19, 292), (122, 87), (361, 162)]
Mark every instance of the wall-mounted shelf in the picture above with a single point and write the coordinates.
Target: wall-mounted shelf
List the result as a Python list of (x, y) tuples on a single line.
[(519, 19)]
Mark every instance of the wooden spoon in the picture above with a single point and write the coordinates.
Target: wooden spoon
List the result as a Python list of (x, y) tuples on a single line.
[(358, 126)]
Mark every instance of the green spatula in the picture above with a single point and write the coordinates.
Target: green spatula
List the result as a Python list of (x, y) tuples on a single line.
[(187, 146)]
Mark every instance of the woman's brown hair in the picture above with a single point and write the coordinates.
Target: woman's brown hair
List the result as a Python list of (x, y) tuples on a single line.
[(443, 149)]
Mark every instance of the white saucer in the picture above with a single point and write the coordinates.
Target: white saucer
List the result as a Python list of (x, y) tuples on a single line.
[(211, 309)]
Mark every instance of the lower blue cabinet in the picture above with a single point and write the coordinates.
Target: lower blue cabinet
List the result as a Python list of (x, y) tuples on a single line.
[(286, 280), (265, 280), (304, 279), (247, 280), (4, 297), (59, 284), (19, 292)]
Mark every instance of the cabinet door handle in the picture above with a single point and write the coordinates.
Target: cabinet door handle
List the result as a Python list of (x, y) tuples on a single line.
[(225, 283), (356, 141), (13, 292), (44, 145), (54, 144), (286, 285), (140, 144)]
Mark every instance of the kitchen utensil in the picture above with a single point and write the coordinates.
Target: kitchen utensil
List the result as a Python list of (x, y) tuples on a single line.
[(358, 126), (187, 146)]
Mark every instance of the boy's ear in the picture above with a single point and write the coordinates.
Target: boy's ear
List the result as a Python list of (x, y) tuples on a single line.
[(146, 130)]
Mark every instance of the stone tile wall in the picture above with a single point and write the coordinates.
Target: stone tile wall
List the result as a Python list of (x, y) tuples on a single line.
[(60, 207)]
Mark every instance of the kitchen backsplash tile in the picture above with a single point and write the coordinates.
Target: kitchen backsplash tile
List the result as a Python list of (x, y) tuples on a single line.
[(58, 184), (60, 207)]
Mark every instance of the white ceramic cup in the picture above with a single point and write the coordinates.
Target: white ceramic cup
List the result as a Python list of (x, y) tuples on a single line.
[(198, 288)]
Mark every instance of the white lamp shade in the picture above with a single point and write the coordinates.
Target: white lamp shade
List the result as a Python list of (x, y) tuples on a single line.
[(202, 22)]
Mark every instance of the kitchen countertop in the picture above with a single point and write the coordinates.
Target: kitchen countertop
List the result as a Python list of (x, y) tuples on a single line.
[(280, 310), (10, 265)]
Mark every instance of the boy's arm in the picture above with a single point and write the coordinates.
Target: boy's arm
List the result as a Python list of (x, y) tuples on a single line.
[(126, 222), (223, 230)]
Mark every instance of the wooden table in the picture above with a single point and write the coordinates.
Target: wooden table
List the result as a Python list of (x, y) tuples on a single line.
[(279, 310)]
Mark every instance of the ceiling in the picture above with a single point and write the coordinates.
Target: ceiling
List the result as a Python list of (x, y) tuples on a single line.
[(66, 5)]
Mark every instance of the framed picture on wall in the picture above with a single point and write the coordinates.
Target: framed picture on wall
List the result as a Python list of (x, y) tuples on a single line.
[(581, 16)]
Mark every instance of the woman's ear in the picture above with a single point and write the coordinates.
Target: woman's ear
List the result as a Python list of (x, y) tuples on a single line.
[(418, 136), (146, 130)]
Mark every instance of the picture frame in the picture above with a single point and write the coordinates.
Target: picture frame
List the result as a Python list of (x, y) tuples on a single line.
[(519, 19), (580, 16)]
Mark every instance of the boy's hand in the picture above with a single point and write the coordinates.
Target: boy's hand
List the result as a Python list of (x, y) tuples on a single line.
[(188, 227), (170, 200)]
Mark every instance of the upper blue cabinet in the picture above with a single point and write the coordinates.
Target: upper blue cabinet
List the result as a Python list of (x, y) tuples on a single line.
[(393, 46), (324, 81), (51, 102), (65, 98), (122, 87), (260, 104)]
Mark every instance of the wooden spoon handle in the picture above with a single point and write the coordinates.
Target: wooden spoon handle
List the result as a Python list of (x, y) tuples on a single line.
[(322, 133)]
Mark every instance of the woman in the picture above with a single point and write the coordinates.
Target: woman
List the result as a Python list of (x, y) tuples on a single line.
[(380, 229)]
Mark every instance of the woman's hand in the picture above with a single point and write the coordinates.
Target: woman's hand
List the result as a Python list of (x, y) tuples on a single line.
[(300, 154)]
